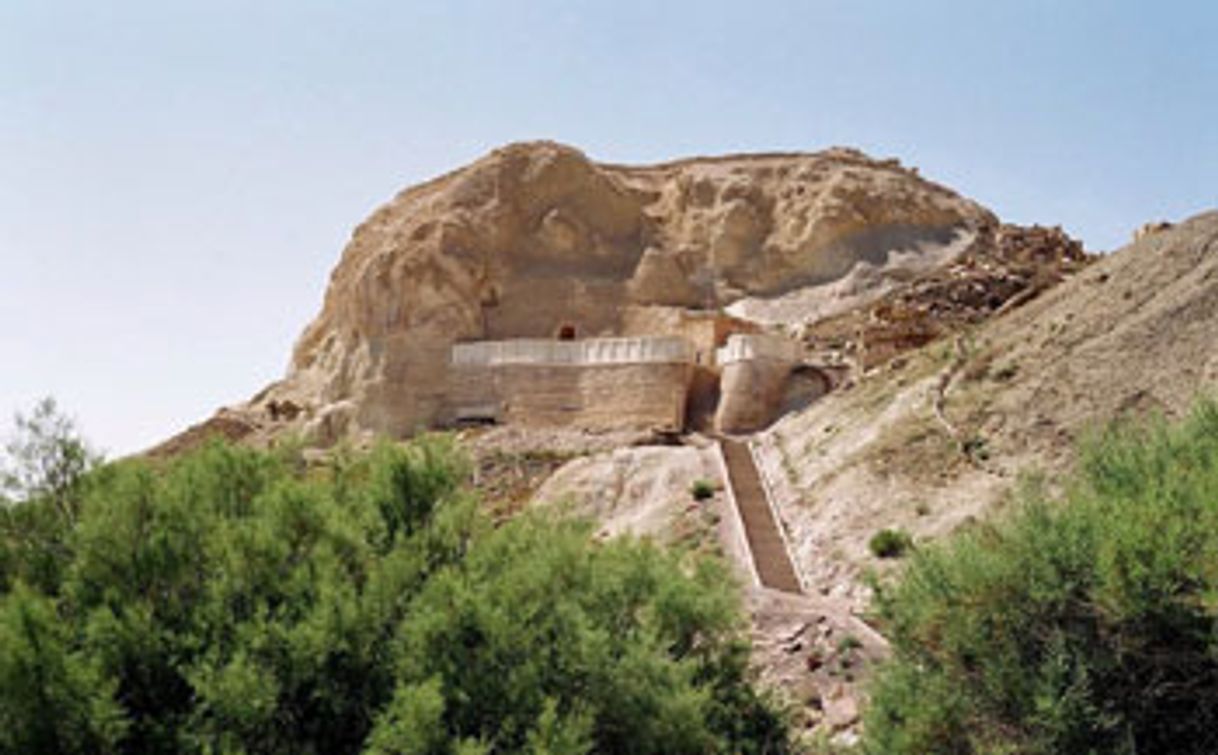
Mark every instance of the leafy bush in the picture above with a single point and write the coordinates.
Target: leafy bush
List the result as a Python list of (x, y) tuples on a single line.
[(1084, 625), (238, 600), (890, 543), (702, 490)]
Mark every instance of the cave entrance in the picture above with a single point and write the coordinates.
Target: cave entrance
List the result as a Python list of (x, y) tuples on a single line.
[(566, 333)]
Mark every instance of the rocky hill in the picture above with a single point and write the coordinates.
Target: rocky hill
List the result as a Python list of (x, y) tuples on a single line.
[(535, 236)]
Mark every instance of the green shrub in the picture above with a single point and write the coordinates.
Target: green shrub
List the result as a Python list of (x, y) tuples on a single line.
[(1083, 625), (890, 543), (702, 490), (976, 447), (238, 600)]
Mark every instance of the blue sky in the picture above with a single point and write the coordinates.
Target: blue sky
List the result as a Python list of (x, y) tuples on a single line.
[(178, 178)]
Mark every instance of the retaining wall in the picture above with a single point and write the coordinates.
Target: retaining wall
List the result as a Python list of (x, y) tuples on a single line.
[(607, 383)]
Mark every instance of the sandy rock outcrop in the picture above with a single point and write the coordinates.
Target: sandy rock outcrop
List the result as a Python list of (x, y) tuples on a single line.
[(535, 238)]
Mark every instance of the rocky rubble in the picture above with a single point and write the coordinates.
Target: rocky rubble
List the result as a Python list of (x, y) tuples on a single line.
[(1003, 268)]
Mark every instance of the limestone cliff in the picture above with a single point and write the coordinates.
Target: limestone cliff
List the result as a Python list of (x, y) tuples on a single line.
[(535, 237)]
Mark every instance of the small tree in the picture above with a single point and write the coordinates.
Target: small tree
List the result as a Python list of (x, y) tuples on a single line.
[(46, 458)]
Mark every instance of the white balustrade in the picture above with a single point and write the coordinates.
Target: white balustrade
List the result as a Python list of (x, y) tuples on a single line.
[(647, 349), (745, 346)]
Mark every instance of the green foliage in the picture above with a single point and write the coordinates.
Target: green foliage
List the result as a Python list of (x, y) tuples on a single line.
[(413, 722), (235, 600), (890, 543), (53, 698), (46, 458), (702, 490), (1086, 625)]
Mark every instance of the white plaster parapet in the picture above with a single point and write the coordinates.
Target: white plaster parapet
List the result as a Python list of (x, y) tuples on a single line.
[(745, 346), (540, 351)]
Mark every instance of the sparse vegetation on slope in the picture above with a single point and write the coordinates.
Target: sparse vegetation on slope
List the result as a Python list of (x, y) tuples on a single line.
[(1082, 625), (234, 600)]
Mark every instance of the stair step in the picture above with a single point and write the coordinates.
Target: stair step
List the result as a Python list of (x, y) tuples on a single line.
[(769, 551)]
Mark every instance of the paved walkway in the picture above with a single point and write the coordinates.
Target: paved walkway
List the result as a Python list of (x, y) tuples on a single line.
[(766, 544)]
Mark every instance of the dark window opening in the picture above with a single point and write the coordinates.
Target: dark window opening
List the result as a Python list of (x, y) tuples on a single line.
[(566, 333)]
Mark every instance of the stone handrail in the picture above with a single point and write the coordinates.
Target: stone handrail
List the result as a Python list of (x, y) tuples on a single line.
[(540, 351)]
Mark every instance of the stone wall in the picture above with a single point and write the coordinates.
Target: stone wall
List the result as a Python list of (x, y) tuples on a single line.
[(594, 397), (607, 383), (755, 371), (751, 394)]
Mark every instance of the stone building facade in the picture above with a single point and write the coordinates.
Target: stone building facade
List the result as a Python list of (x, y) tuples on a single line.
[(597, 384), (666, 382)]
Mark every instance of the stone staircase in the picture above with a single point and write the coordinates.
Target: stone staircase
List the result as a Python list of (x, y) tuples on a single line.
[(766, 544)]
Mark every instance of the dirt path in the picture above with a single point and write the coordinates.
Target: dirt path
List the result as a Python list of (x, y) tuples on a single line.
[(766, 544)]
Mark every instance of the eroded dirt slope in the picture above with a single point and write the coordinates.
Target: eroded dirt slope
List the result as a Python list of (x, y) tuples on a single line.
[(938, 437)]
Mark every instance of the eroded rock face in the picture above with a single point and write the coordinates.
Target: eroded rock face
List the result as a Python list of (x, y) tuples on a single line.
[(535, 239)]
